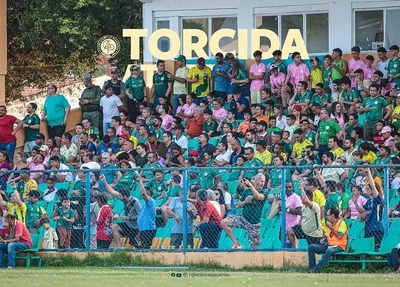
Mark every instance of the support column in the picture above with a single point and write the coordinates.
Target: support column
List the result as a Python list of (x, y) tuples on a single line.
[(3, 50)]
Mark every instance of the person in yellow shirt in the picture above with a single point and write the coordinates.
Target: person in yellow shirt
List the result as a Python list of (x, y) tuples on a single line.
[(28, 183), (262, 153), (311, 184), (395, 116), (335, 149), (16, 206), (201, 79), (368, 155), (316, 73), (301, 144)]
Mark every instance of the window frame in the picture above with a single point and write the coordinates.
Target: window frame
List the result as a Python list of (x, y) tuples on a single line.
[(156, 20), (384, 15), (304, 16)]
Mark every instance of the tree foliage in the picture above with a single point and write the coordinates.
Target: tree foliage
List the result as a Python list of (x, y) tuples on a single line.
[(49, 40)]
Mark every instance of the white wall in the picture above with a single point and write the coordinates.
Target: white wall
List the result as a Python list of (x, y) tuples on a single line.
[(341, 14)]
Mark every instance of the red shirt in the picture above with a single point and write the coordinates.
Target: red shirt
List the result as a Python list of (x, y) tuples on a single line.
[(6, 128), (195, 126), (104, 223), (21, 230), (208, 210)]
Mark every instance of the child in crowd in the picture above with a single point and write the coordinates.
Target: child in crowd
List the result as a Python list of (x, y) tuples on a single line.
[(50, 235), (316, 73), (65, 218), (50, 193)]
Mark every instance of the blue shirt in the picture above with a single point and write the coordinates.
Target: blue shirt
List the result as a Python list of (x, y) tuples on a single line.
[(176, 205), (374, 214), (221, 83), (109, 174), (147, 216), (203, 149), (91, 147), (242, 101), (110, 149)]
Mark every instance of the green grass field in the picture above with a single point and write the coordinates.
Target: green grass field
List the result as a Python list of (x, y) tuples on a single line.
[(54, 277)]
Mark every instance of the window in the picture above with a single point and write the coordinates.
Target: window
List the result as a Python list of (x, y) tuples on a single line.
[(316, 34), (210, 26), (369, 28), (376, 28), (163, 43)]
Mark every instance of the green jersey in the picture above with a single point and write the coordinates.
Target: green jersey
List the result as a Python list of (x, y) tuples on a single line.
[(345, 201), (136, 86), (33, 213), (31, 120), (158, 187), (207, 177), (159, 133), (149, 174), (376, 106), (161, 82), (335, 73), (310, 136), (256, 164), (128, 181), (349, 129), (382, 161), (394, 69), (69, 214), (317, 99), (354, 94), (252, 211), (327, 129), (333, 201), (173, 191), (325, 74), (212, 126), (302, 98)]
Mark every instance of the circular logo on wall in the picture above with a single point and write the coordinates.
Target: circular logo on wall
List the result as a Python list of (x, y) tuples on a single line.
[(108, 45)]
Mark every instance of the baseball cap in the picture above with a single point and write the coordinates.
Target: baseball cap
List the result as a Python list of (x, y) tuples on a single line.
[(262, 123), (181, 58), (125, 136), (135, 66), (385, 129), (194, 153), (44, 148), (273, 66), (87, 80), (40, 136), (201, 61), (114, 70)]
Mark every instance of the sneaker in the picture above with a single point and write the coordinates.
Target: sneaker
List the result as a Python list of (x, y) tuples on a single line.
[(236, 246), (10, 267)]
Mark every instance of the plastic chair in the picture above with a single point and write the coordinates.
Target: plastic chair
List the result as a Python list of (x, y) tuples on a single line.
[(303, 244), (193, 144), (387, 245), (394, 229), (156, 243), (363, 246), (232, 186), (357, 229), (30, 254)]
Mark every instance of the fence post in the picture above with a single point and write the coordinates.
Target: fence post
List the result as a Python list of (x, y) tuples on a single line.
[(88, 210), (283, 207), (386, 201), (184, 213)]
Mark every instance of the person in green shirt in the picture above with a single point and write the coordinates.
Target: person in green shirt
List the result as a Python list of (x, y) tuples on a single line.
[(157, 129), (173, 191), (327, 71), (207, 177), (31, 124), (34, 212), (65, 217), (302, 98), (252, 162), (383, 159), (210, 125), (162, 85), (373, 107), (339, 66), (327, 128), (320, 97), (252, 201), (136, 85), (55, 111), (328, 188), (309, 134), (351, 124), (235, 173), (158, 185), (345, 198), (272, 126), (349, 95), (152, 158), (393, 67), (275, 177)]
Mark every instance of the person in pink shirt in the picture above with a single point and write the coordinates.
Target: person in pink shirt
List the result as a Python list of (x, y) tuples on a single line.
[(368, 69), (293, 206), (257, 76), (219, 113), (356, 193), (297, 71), (388, 87), (167, 119), (386, 134), (277, 80), (187, 110), (355, 64), (37, 164)]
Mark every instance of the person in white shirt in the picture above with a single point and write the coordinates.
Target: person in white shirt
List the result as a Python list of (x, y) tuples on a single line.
[(223, 156), (110, 105), (383, 62), (180, 85), (179, 138), (290, 119), (56, 165), (250, 138)]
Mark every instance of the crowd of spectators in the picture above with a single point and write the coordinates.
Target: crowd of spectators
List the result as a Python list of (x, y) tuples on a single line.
[(212, 121)]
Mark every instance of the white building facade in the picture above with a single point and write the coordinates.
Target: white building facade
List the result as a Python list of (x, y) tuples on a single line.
[(324, 24)]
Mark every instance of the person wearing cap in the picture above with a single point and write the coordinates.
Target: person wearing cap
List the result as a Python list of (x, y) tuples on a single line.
[(117, 85), (393, 67), (162, 85), (34, 212), (220, 77), (135, 87), (386, 134), (200, 78), (39, 139), (31, 124), (262, 154), (90, 102), (180, 86)]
